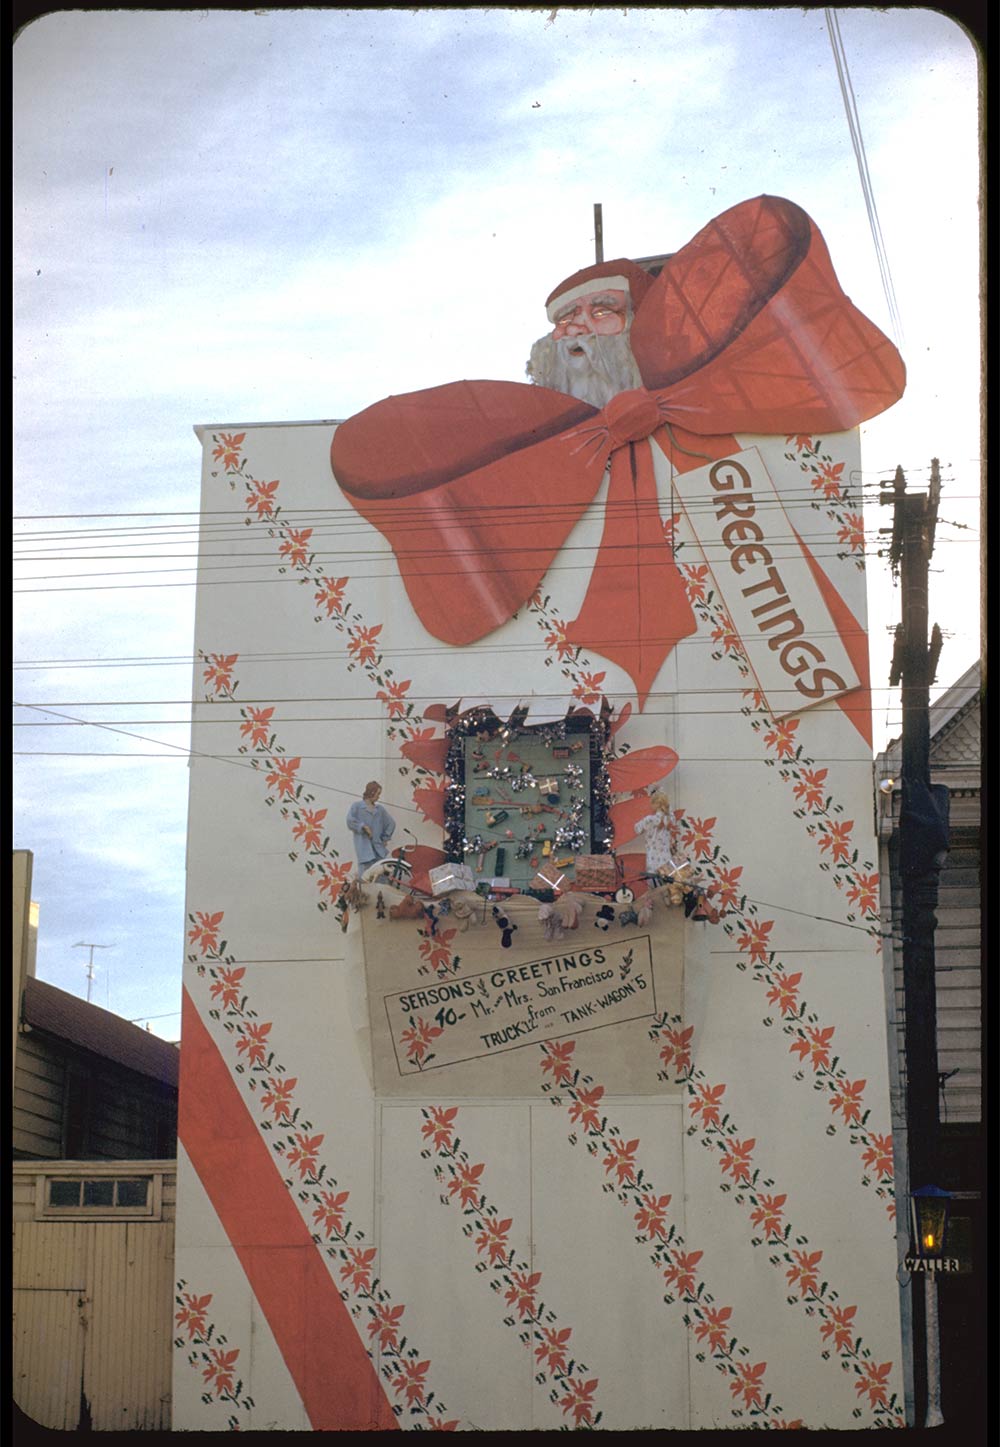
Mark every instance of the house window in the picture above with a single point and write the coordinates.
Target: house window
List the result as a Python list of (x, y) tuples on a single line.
[(107, 1195)]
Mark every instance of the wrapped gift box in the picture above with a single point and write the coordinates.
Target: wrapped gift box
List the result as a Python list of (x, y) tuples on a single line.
[(445, 878), (598, 872)]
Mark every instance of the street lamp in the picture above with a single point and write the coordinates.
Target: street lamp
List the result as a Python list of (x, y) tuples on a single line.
[(929, 1217)]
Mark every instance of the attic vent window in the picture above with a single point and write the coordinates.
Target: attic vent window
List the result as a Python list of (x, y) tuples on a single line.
[(104, 1195)]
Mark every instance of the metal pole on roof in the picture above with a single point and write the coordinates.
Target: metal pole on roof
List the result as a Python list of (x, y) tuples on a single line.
[(598, 232), (83, 945)]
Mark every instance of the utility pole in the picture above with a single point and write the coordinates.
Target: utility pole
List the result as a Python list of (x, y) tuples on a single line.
[(923, 837)]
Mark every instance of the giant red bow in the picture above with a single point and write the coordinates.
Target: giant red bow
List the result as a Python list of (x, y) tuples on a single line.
[(477, 485)]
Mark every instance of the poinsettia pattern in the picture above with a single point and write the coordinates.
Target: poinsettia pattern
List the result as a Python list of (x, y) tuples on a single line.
[(788, 1248), (677, 1264), (209, 1353), (325, 1203), (512, 1277)]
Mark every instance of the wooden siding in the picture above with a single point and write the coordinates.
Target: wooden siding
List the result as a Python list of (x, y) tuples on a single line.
[(93, 1309), (68, 1103)]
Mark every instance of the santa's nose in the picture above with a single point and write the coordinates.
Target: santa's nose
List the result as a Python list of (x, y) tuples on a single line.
[(578, 326)]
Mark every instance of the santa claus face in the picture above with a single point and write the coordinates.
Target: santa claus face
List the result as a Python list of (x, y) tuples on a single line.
[(602, 313)]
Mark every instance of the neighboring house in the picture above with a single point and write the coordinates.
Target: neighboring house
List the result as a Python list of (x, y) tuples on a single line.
[(94, 1183), (956, 761)]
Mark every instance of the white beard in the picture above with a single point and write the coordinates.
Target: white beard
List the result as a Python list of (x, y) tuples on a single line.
[(602, 368)]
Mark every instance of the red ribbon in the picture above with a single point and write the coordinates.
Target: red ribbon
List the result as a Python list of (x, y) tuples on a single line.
[(477, 485)]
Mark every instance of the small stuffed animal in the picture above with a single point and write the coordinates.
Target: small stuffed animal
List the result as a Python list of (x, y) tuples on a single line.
[(506, 928), (380, 905), (604, 916), (552, 926), (645, 913), (463, 912), (568, 910), (409, 907), (628, 916)]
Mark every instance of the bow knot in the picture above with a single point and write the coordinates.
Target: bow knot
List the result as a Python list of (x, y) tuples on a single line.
[(631, 417)]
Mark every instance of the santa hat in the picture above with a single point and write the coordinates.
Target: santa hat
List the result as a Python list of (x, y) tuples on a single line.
[(620, 275)]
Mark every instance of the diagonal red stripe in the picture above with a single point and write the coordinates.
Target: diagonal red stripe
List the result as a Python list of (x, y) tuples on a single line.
[(335, 1377)]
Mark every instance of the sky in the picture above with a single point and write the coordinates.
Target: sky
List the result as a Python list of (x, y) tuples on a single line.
[(235, 217)]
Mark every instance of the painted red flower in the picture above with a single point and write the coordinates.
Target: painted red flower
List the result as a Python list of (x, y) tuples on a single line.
[(465, 1185), (748, 1383), (219, 1371), (578, 1401), (361, 643), (651, 1215), (782, 738), (492, 1239), (256, 725), (226, 986), (837, 839), (735, 1160), (782, 1425), (418, 1037), (331, 878), (785, 992), (521, 1292), (410, 1382), (192, 1314), (278, 1097), (551, 1350), (385, 1325), (228, 450), (220, 670), (253, 1043), (394, 698), (847, 1099), (680, 1273), (712, 1326), (310, 828), (295, 546), (205, 931), (725, 631), (583, 1107), (331, 595), (330, 1212), (839, 1325), (621, 1159), (670, 528), (828, 479), (282, 775), (754, 940), (801, 441), (768, 1213), (803, 1271), (557, 639), (697, 837), (304, 1153), (706, 1103), (358, 1267), (724, 885), (874, 1382), (757, 697), (261, 497), (438, 1424), (695, 580), (439, 1126), (864, 893), (556, 1057), (436, 949), (809, 787), (853, 532), (676, 1049), (879, 1155), (588, 690), (815, 1044)]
